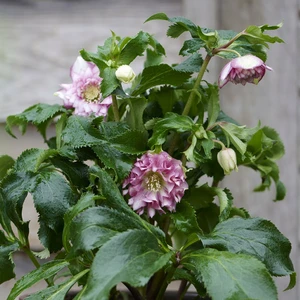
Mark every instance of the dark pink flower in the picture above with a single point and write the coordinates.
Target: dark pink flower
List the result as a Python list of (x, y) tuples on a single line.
[(156, 181), (248, 68), (83, 93)]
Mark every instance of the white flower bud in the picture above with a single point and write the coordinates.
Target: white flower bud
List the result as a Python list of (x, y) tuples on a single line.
[(125, 74), (227, 160)]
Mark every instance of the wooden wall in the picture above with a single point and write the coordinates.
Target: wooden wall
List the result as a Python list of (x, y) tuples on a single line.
[(274, 101), (40, 40)]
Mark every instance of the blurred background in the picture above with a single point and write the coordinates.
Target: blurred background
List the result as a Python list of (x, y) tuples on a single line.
[(40, 40)]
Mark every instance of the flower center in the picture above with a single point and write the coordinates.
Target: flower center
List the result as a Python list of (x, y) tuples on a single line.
[(91, 93), (153, 181)]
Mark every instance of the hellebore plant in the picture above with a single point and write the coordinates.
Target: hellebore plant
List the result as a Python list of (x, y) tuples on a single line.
[(128, 189)]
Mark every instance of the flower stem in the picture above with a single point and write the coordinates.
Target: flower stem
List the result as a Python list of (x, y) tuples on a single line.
[(196, 85), (115, 108)]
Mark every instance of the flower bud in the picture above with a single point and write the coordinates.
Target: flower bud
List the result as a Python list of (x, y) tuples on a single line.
[(248, 68), (227, 160), (125, 74)]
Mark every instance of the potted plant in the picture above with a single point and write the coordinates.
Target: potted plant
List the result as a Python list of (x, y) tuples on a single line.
[(120, 192)]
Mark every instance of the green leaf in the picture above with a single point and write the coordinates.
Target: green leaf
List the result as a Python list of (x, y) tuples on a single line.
[(158, 75), (255, 35), (135, 47), (95, 226), (6, 263), (52, 198), (109, 82), (114, 159), (131, 257), (79, 132), (229, 276), (15, 188), (110, 191), (208, 217), (85, 201), (6, 163), (38, 114), (57, 292), (200, 197), (191, 64), (238, 144), (256, 237), (171, 121), (213, 106), (185, 218), (45, 271), (135, 115), (191, 46), (76, 172)]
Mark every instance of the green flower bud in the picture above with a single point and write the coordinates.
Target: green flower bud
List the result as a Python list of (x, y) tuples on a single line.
[(125, 74), (227, 160)]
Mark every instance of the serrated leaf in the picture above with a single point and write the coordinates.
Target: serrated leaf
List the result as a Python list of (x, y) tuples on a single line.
[(191, 65), (185, 218), (38, 114), (80, 132), (95, 226), (114, 159), (191, 46), (131, 257), (6, 163), (159, 75), (52, 198), (57, 292), (76, 172), (241, 276), (171, 121), (110, 191), (256, 237), (135, 47), (6, 262), (45, 271), (14, 189)]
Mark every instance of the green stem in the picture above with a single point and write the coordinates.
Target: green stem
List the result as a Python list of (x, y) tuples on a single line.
[(196, 85), (115, 108), (27, 250), (190, 100), (227, 44), (165, 283), (227, 50)]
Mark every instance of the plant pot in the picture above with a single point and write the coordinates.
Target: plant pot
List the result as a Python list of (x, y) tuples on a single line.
[(170, 295)]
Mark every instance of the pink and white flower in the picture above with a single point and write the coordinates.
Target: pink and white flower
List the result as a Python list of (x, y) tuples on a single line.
[(84, 93), (156, 181), (248, 68)]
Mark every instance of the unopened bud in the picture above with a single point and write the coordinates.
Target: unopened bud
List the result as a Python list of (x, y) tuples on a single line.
[(227, 160), (125, 74)]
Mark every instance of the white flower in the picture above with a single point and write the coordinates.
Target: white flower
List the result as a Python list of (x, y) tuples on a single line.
[(227, 160), (125, 74)]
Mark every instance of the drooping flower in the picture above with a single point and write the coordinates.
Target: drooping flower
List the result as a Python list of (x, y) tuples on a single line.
[(156, 181), (248, 68), (227, 160), (125, 74), (84, 93)]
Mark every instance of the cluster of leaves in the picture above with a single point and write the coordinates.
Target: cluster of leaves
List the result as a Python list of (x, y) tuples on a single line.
[(76, 183)]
